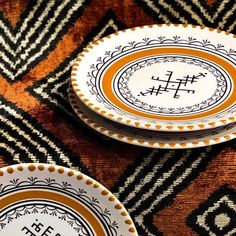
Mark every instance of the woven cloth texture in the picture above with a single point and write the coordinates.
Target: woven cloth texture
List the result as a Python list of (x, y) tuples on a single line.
[(167, 192)]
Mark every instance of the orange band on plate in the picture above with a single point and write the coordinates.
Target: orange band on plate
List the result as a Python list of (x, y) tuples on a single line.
[(55, 197), (117, 65)]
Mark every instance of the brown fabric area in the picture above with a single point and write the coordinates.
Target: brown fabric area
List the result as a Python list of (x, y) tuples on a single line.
[(172, 220), (2, 162), (210, 2), (13, 9), (99, 158)]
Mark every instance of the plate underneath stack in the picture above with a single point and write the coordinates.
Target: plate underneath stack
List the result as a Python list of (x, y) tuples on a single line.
[(148, 138)]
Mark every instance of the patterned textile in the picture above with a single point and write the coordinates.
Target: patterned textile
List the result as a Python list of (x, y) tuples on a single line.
[(177, 192)]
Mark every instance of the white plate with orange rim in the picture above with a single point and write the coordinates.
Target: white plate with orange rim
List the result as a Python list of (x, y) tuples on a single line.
[(150, 138), (43, 199), (160, 77)]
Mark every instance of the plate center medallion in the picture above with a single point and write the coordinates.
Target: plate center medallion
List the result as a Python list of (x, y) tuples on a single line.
[(172, 85)]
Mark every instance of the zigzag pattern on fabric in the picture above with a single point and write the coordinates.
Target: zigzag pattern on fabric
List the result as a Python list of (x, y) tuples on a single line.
[(23, 139), (220, 15), (40, 28)]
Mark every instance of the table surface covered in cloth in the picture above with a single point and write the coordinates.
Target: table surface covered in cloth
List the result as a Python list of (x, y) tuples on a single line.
[(167, 192)]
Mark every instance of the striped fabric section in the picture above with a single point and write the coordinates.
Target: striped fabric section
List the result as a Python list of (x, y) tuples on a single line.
[(219, 15), (25, 47), (23, 139), (52, 89)]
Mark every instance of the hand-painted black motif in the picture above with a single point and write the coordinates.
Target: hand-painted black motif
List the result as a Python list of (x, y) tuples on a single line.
[(172, 84), (38, 229)]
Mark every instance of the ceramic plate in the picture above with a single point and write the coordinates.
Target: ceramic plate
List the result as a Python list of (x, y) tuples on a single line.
[(41, 199), (149, 138), (160, 77)]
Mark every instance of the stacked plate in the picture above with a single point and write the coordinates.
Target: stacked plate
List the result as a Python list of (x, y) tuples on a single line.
[(159, 86)]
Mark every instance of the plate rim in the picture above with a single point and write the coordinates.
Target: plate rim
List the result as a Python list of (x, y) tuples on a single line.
[(229, 118), (132, 140), (95, 186)]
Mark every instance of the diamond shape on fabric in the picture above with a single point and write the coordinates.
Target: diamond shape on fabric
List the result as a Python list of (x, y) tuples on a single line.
[(216, 216)]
